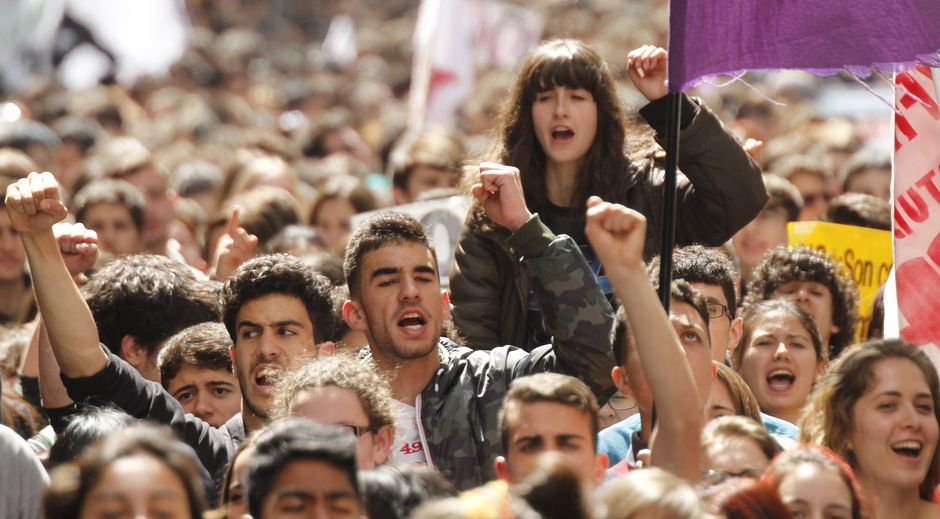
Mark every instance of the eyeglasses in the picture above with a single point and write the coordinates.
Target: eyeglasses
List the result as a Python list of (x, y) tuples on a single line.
[(712, 478), (716, 310), (619, 402), (357, 430)]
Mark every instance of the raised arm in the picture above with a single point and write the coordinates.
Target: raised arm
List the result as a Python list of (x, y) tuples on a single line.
[(617, 235), (574, 308), (34, 205)]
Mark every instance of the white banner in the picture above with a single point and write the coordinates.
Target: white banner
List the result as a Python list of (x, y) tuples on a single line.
[(916, 209)]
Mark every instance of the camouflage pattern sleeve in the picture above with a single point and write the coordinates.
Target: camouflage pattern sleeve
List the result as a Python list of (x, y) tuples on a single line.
[(574, 308)]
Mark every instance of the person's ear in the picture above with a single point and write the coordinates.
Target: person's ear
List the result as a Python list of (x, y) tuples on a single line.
[(619, 376), (735, 332), (326, 348), (231, 353), (134, 353), (382, 445), (502, 471), (355, 316), (445, 305)]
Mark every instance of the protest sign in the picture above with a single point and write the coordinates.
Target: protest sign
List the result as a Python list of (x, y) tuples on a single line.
[(864, 253), (916, 215)]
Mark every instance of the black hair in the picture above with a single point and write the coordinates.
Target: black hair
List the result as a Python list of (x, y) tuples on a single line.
[(296, 439), (279, 274), (85, 427), (382, 229), (149, 298)]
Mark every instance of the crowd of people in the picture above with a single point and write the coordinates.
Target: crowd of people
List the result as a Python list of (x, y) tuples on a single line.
[(198, 320)]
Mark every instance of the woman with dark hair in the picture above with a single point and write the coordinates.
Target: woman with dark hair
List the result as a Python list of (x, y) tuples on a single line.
[(780, 356), (136, 472), (562, 136), (878, 406), (816, 482)]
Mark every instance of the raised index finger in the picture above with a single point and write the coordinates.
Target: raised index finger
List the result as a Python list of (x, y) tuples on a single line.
[(233, 226)]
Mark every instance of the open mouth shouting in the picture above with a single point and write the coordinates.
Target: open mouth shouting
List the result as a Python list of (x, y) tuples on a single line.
[(562, 134), (265, 377), (781, 380), (412, 322)]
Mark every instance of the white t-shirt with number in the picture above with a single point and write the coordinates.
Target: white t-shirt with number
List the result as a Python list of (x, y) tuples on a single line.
[(407, 449)]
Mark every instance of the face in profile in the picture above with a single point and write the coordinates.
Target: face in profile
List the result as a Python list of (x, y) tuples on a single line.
[(894, 429), (811, 491), (137, 486)]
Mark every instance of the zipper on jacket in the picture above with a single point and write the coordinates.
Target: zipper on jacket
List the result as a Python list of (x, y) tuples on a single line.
[(424, 438)]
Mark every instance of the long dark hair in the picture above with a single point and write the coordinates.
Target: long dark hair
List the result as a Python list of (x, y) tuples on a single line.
[(569, 63)]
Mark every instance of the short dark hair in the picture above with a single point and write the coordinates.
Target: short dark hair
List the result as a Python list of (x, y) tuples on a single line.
[(377, 231), (279, 274), (390, 492), (196, 177), (861, 210), (71, 483), (782, 265), (205, 346), (85, 428), (149, 298), (548, 387), (292, 440), (109, 191), (701, 264)]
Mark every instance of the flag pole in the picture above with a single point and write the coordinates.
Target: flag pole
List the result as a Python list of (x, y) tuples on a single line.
[(668, 219)]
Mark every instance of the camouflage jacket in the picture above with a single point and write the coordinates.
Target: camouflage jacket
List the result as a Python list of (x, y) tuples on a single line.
[(720, 191), (460, 405)]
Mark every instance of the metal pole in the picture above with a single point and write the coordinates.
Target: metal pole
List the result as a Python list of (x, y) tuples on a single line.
[(668, 220)]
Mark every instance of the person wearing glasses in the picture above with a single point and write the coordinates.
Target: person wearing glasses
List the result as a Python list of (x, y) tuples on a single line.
[(341, 390), (709, 271)]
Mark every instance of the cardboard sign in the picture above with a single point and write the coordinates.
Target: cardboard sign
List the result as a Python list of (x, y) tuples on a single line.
[(864, 253)]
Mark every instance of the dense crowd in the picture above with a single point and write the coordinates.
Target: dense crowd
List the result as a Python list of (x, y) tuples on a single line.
[(198, 320)]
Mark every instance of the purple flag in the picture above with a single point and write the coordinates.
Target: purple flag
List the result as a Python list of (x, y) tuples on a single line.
[(711, 37)]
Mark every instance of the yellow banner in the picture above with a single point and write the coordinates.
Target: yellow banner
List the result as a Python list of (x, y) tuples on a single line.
[(864, 253)]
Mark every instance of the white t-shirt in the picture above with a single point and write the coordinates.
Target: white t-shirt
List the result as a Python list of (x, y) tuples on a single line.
[(408, 447)]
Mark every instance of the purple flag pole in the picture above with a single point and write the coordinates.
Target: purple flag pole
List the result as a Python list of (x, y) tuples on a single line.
[(674, 111)]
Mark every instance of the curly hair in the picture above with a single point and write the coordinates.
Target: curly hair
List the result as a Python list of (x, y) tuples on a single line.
[(701, 264), (783, 265), (342, 370), (829, 420), (279, 274), (149, 298)]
